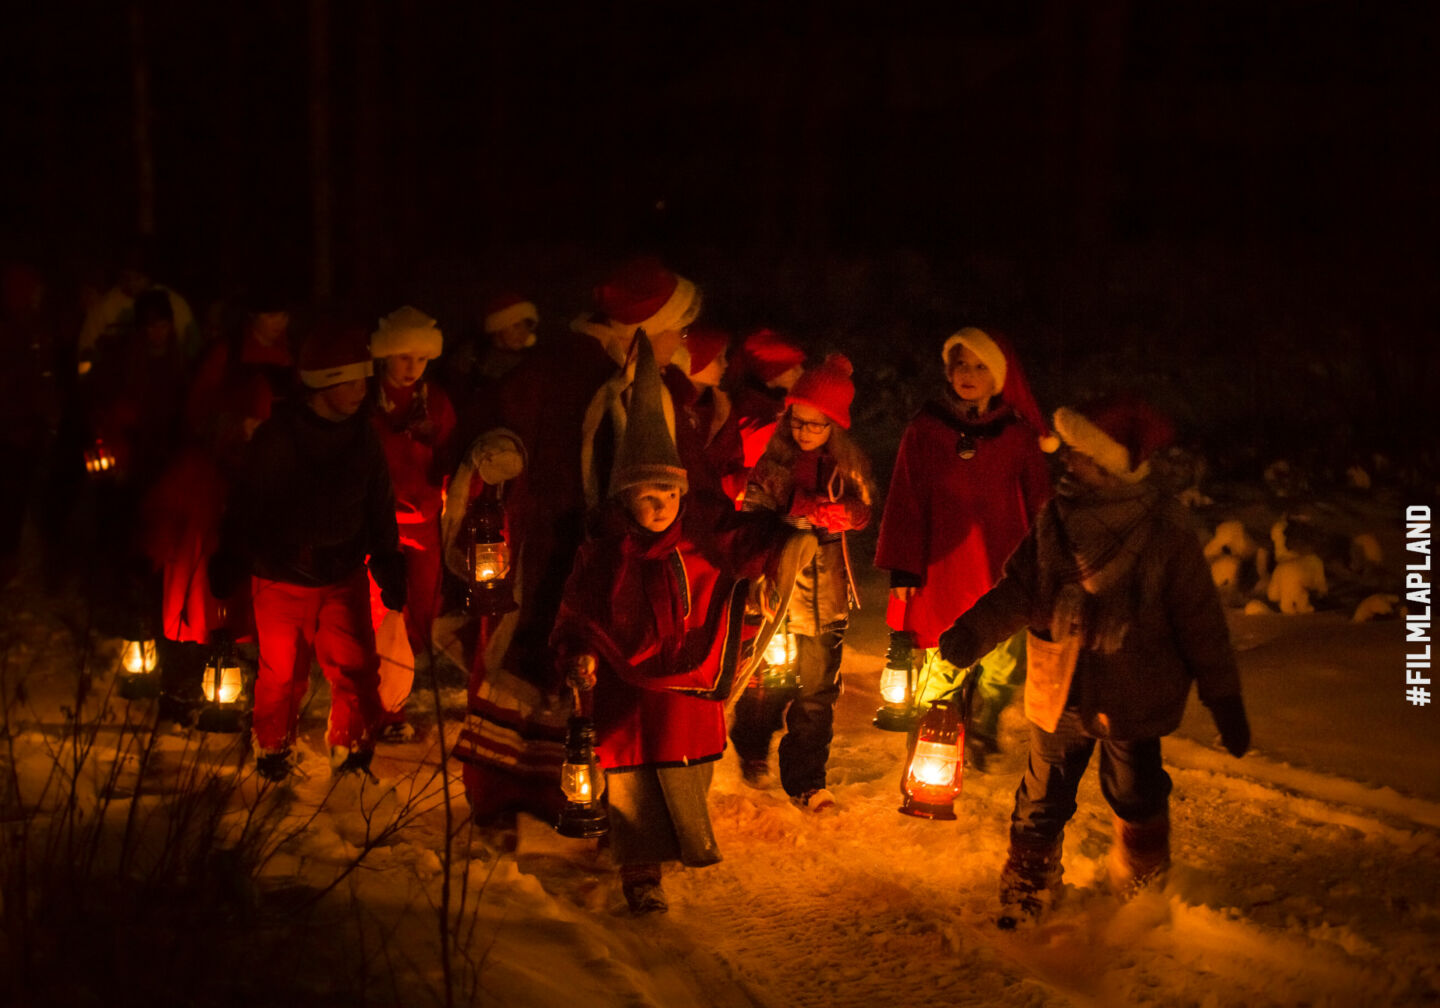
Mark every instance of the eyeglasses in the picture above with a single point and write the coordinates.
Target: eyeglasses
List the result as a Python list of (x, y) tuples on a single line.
[(810, 426)]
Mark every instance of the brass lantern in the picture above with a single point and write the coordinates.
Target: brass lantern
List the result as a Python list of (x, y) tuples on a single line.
[(224, 689), (487, 556), (782, 661), (935, 765), (898, 685), (139, 667), (582, 780)]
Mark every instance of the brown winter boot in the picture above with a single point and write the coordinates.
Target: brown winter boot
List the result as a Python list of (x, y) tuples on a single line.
[(1140, 854), (641, 885), (1029, 883)]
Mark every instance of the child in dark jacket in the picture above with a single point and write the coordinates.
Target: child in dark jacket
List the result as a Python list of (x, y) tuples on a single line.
[(814, 477), (651, 619), (313, 502), (1123, 616)]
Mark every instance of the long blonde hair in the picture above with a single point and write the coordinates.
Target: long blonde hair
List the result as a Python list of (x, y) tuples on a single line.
[(851, 464)]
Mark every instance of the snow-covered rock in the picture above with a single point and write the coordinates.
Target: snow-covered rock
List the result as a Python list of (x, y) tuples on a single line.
[(1379, 604), (1294, 581)]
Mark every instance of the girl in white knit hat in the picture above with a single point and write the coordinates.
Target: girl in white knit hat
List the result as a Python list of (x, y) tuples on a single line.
[(416, 424)]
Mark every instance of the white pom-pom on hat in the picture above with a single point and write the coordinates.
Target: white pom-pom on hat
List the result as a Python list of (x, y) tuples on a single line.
[(407, 330)]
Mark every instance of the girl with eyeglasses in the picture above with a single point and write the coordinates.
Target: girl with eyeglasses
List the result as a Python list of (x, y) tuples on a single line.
[(816, 477)]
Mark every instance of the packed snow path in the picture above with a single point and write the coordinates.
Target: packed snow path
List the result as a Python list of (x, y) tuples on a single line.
[(1307, 873), (1290, 887)]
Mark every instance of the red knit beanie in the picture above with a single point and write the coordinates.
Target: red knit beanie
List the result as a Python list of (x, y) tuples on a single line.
[(705, 343), (335, 352), (767, 355), (827, 388), (1119, 432)]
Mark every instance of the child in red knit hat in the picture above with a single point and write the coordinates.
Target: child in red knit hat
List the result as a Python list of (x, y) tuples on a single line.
[(815, 477)]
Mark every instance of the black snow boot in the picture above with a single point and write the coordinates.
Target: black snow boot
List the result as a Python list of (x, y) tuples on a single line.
[(1140, 855), (1029, 883)]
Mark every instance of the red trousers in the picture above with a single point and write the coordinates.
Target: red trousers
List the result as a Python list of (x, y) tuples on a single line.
[(330, 624)]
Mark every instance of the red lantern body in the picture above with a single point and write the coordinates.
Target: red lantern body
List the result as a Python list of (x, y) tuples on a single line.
[(936, 765)]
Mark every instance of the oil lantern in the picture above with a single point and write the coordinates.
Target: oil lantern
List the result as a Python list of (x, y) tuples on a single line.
[(898, 685), (582, 781), (487, 555), (931, 781), (223, 687)]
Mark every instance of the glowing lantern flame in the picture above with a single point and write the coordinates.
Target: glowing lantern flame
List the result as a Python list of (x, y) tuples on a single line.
[(231, 682), (933, 772), (138, 657)]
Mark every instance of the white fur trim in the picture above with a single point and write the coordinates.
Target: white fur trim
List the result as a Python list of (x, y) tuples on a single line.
[(407, 330), (1076, 430), (325, 377), (979, 343), (506, 317), (677, 312)]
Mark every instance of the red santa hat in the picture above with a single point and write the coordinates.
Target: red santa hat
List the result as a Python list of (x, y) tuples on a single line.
[(767, 355), (999, 356), (407, 331), (336, 352), (647, 452), (643, 293), (504, 311), (703, 344), (1119, 432), (828, 388)]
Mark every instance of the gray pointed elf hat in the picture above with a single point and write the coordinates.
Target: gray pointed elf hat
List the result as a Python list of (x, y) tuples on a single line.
[(647, 452)]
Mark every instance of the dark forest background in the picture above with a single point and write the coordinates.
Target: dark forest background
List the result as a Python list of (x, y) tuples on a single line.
[(1231, 204)]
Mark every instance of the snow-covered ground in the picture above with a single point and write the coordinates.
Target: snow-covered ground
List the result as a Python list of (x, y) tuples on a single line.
[(1307, 873)]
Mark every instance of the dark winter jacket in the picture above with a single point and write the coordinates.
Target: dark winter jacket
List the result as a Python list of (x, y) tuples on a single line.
[(962, 496), (1140, 641), (313, 502), (663, 613), (543, 401), (821, 600)]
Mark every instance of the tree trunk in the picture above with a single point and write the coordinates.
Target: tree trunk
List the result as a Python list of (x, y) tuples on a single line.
[(140, 124), (321, 195)]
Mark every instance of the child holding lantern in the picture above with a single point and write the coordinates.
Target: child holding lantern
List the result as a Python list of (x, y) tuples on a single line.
[(968, 481), (651, 619), (1122, 615), (814, 477)]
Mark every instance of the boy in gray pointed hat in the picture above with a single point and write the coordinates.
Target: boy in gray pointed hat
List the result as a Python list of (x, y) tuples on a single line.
[(651, 619)]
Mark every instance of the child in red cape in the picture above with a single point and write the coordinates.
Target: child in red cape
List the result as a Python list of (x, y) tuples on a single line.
[(651, 618)]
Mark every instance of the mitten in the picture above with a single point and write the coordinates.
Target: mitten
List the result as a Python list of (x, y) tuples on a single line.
[(580, 671), (1229, 715), (389, 572), (832, 516), (498, 457), (957, 646)]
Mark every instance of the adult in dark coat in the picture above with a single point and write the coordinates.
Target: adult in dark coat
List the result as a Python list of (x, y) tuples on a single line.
[(552, 447)]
